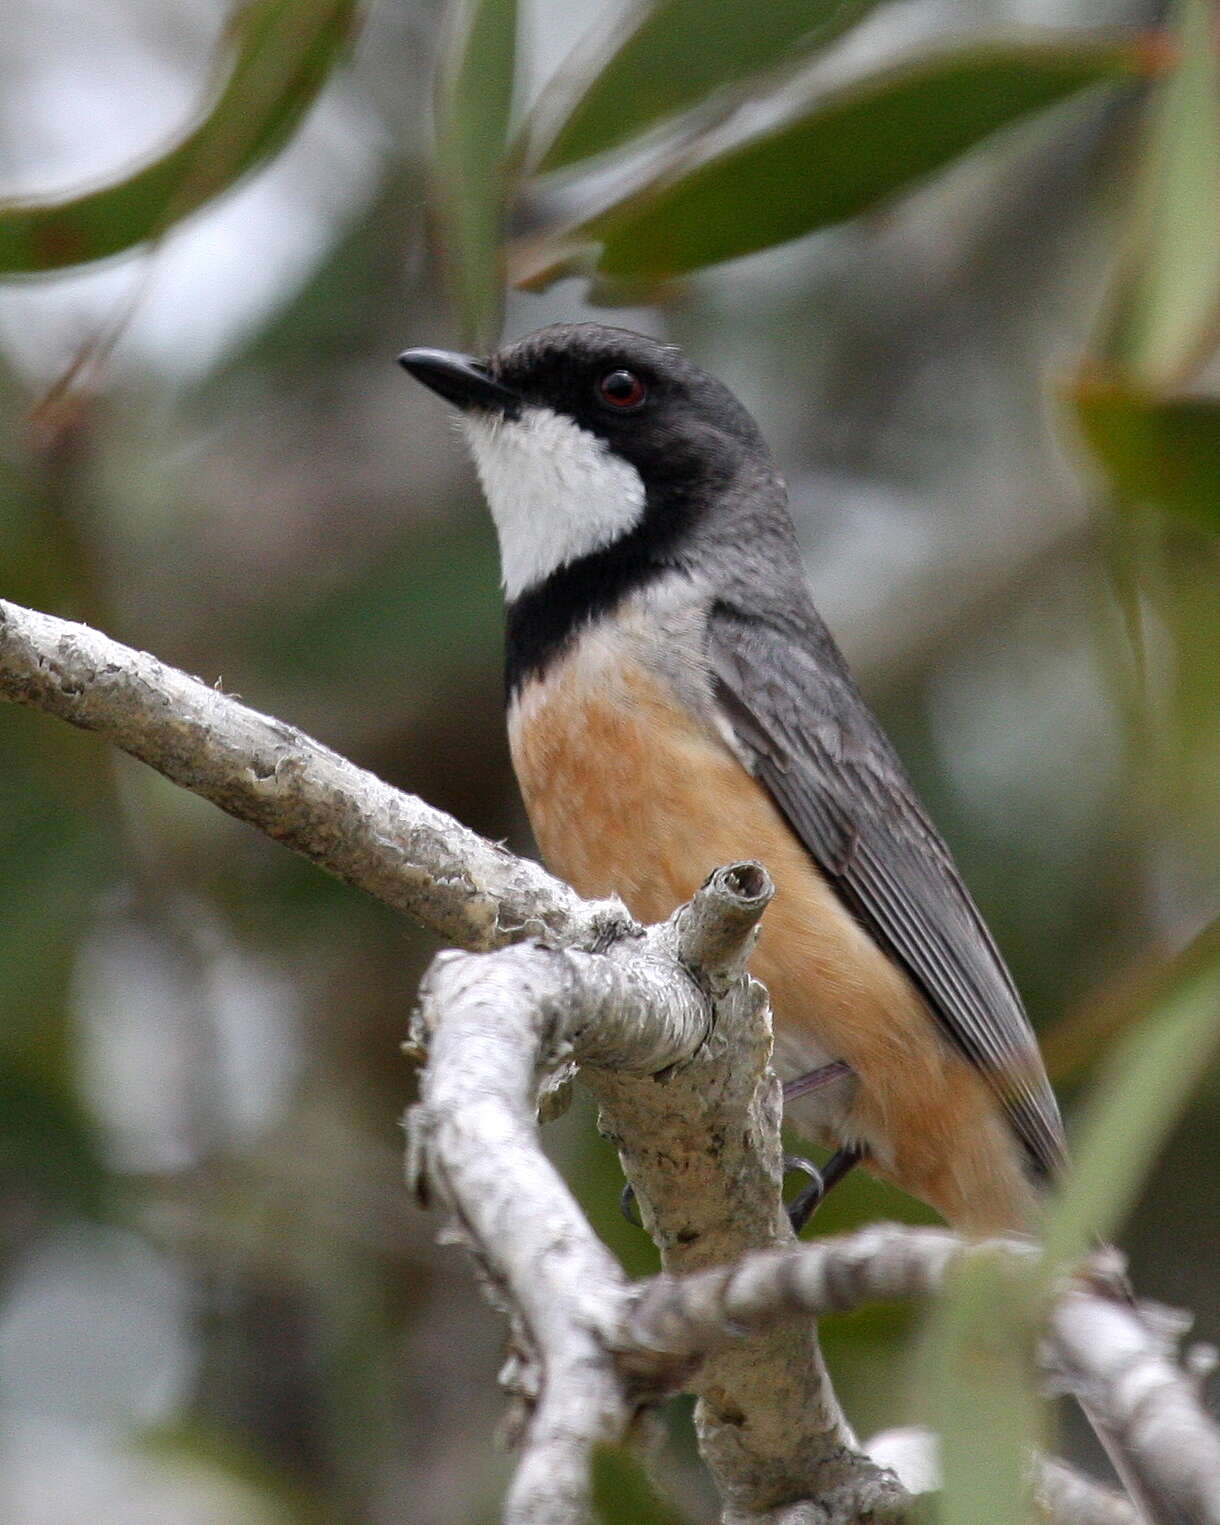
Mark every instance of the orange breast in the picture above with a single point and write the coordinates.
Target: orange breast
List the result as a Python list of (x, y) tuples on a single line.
[(628, 794)]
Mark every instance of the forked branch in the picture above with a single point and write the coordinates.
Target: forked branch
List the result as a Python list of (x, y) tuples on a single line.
[(673, 1038)]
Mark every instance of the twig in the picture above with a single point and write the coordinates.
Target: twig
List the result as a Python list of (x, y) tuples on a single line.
[(1064, 1494), (1115, 1358), (1119, 1362), (688, 1315)]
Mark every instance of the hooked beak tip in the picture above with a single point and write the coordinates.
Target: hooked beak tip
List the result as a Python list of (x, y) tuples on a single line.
[(461, 380)]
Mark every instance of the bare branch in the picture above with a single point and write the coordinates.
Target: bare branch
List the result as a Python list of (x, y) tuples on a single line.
[(688, 1093), (346, 820), (474, 1142), (717, 931), (1119, 1362), (689, 1315), (1064, 1494), (710, 1124), (674, 1041)]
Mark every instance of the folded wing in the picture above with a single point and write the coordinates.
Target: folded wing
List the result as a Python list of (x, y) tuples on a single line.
[(831, 771)]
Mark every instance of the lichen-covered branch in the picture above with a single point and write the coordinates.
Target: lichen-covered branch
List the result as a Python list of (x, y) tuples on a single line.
[(345, 819), (656, 1017)]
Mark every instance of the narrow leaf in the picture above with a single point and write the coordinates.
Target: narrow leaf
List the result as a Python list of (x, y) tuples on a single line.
[(474, 102), (1168, 311), (982, 1395), (1145, 1088), (673, 54), (1158, 452), (282, 53), (842, 155)]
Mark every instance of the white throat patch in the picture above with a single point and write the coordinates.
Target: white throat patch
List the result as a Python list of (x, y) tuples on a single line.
[(555, 491)]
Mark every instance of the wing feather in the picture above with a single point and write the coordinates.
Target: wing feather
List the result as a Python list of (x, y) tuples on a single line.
[(828, 766)]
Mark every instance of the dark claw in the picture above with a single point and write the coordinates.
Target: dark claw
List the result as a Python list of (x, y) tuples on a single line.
[(809, 1198), (798, 1164), (806, 1202), (626, 1206)]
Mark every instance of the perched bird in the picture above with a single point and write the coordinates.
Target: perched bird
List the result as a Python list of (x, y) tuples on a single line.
[(676, 702)]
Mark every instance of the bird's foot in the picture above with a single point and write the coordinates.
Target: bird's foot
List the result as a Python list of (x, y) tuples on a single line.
[(810, 1197), (803, 1206)]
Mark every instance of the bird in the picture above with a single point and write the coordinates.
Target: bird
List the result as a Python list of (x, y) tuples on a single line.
[(676, 702)]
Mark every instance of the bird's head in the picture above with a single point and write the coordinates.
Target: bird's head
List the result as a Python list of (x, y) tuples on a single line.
[(584, 435)]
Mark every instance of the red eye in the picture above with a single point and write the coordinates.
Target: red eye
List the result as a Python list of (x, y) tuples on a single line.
[(622, 390)]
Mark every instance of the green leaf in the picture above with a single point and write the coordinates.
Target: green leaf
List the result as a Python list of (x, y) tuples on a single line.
[(1144, 1090), (283, 51), (983, 1398), (474, 103), (840, 156), (1169, 305), (1158, 452), (672, 55)]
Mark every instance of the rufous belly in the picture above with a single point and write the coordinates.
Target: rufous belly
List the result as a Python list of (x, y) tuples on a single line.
[(629, 794)]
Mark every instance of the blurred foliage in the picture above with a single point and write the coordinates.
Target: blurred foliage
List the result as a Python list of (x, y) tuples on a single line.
[(215, 1300), (1167, 308), (474, 101), (621, 1491), (1160, 448), (653, 71), (1146, 1083), (281, 54), (979, 1386), (1160, 452), (880, 134)]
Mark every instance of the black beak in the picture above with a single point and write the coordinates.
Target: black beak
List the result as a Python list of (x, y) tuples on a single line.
[(461, 380)]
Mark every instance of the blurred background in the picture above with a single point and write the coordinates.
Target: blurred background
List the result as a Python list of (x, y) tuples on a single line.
[(217, 1302)]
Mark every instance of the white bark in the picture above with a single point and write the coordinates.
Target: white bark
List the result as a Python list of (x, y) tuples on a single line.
[(674, 1040), (1116, 1358), (1122, 1368), (402, 851)]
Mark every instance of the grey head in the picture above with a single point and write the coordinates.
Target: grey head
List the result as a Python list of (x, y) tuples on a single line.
[(599, 443)]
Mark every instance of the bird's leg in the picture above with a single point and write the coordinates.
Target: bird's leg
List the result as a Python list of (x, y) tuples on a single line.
[(809, 1198), (824, 1075)]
